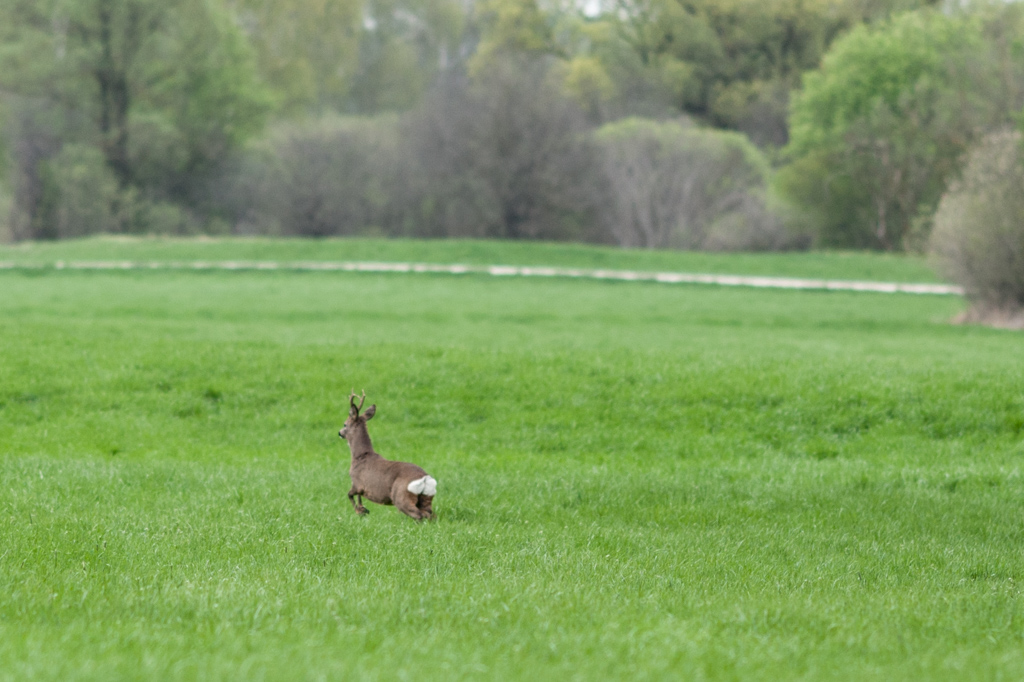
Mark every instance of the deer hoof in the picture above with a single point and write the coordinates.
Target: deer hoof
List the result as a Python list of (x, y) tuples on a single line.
[(362, 511)]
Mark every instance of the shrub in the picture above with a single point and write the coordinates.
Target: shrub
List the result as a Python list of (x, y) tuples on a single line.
[(506, 156), (162, 217), (758, 223), (6, 206), (978, 233), (678, 186), (79, 195), (329, 177), (32, 139)]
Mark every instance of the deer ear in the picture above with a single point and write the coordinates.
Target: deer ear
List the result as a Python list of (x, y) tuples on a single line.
[(368, 415), (353, 412)]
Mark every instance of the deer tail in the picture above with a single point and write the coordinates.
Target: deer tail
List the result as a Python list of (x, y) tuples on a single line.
[(423, 486)]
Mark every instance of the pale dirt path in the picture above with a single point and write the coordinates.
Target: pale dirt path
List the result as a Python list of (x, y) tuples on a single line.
[(512, 271)]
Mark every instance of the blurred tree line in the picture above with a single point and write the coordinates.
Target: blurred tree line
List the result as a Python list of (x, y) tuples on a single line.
[(703, 124)]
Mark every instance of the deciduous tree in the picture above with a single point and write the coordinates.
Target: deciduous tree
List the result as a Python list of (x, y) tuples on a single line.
[(306, 49), (162, 88), (878, 130)]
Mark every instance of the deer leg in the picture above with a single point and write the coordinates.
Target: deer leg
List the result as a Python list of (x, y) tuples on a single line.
[(406, 503), (424, 504), (360, 509)]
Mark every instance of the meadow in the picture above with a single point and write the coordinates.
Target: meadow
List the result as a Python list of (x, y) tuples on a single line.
[(847, 265), (637, 480)]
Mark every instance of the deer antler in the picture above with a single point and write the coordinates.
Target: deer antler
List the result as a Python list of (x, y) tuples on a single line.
[(352, 400)]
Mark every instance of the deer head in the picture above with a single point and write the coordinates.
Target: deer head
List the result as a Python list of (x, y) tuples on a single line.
[(353, 414)]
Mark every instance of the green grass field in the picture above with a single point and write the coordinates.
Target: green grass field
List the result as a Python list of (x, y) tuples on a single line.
[(637, 481), (814, 264)]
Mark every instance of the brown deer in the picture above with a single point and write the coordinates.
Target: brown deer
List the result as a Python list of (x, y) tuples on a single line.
[(404, 485)]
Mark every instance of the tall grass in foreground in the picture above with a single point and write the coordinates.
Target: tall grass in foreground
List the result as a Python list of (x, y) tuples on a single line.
[(637, 481)]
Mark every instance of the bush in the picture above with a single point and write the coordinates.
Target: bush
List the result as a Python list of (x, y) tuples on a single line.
[(758, 223), (161, 217), (79, 196), (6, 207), (978, 233), (507, 156), (329, 177), (32, 138), (677, 186)]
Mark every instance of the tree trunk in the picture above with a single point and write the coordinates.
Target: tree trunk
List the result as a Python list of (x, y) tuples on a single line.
[(115, 99)]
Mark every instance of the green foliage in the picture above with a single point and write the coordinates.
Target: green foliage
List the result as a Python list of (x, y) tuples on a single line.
[(662, 52), (164, 90), (636, 480), (513, 26), (6, 233), (875, 67), (204, 82), (170, 91), (587, 80), (730, 64), (877, 131), (404, 46), (80, 194), (301, 47)]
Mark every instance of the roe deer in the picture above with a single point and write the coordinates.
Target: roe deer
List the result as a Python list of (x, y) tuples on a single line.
[(404, 485)]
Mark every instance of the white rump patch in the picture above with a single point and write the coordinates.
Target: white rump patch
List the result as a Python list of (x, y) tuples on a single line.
[(424, 486)]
